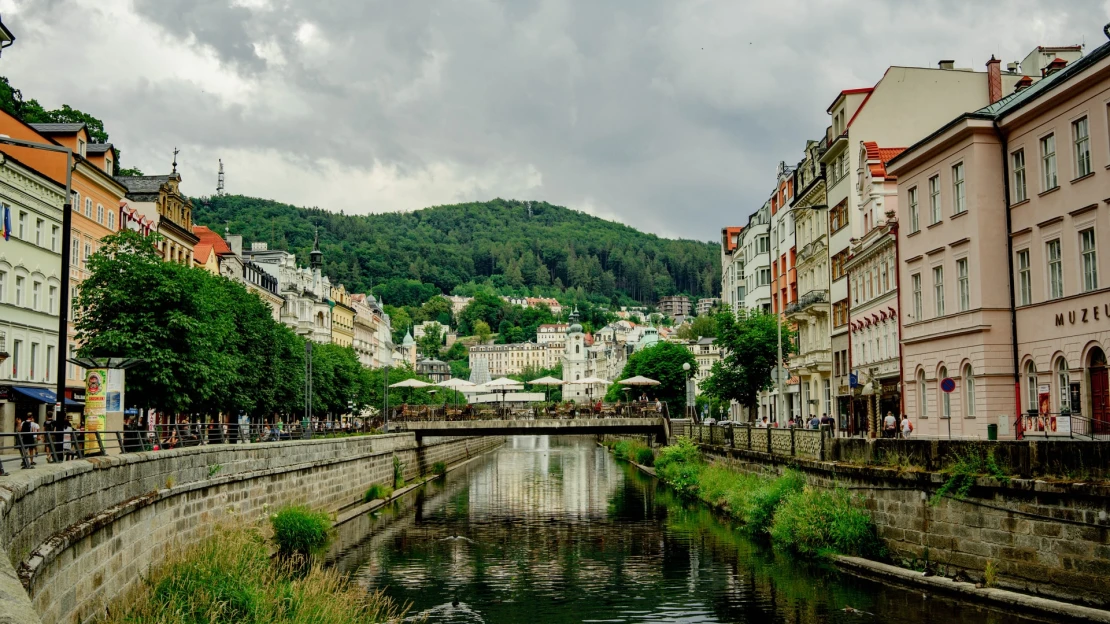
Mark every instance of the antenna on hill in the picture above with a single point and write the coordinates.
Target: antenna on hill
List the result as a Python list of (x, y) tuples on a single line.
[(529, 204), (220, 179)]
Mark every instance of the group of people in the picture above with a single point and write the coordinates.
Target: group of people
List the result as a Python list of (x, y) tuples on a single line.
[(58, 438), (892, 426)]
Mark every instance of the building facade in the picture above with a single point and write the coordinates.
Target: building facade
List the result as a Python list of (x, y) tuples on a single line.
[(306, 293), (675, 306), (513, 359), (159, 199)]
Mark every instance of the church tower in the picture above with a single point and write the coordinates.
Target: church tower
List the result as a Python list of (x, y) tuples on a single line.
[(574, 361)]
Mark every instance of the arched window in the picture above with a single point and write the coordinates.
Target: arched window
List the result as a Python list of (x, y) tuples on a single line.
[(922, 398), (1031, 386), (945, 398), (577, 348), (1063, 380), (969, 392)]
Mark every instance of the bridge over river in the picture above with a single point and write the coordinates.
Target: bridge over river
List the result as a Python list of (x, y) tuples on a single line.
[(527, 424)]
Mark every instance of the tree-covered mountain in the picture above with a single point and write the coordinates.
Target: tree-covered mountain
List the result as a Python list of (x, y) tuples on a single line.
[(524, 248)]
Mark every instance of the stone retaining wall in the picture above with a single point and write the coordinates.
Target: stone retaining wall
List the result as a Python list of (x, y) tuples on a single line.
[(81, 533), (1043, 537)]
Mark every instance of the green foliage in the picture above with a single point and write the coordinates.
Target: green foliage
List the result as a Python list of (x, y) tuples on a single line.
[(439, 468), (758, 506), (814, 521), (990, 574), (634, 451), (399, 291), (645, 456), (749, 350), (213, 470), (494, 244), (963, 470), (700, 327), (300, 531), (398, 473), (680, 465), (230, 578), (377, 492), (431, 342), (662, 362), (482, 331)]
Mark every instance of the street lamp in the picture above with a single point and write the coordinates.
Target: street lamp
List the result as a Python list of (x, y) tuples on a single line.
[(67, 236), (686, 370), (780, 369)]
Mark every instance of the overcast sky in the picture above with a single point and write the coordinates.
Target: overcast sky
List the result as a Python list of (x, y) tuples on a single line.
[(667, 115)]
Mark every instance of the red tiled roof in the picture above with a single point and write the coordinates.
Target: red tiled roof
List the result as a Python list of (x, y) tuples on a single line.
[(877, 157), (207, 237), (201, 252)]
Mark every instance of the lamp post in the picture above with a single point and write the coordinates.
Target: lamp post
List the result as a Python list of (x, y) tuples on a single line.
[(385, 406), (781, 370), (686, 373), (67, 237)]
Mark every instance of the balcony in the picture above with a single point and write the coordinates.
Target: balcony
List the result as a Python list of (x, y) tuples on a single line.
[(812, 299)]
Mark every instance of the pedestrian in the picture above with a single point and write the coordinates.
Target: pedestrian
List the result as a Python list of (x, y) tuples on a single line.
[(27, 438), (762, 424), (890, 425), (827, 420), (68, 443), (907, 427), (48, 429), (815, 422), (35, 435)]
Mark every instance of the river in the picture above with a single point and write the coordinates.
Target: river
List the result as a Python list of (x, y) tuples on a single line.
[(555, 530)]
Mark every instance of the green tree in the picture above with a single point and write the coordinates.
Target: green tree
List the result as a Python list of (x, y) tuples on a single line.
[(749, 350), (438, 309), (699, 327), (430, 343), (482, 332), (662, 362)]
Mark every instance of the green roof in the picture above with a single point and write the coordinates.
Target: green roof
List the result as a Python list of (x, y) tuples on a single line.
[(1019, 99)]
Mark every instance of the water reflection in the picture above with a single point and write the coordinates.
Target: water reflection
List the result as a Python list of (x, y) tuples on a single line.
[(554, 530)]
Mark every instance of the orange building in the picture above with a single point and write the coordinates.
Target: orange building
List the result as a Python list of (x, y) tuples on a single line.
[(95, 198)]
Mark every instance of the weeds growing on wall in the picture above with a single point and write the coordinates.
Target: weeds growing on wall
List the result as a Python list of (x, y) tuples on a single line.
[(439, 468), (300, 531), (230, 578), (376, 492), (962, 472), (398, 473), (804, 520)]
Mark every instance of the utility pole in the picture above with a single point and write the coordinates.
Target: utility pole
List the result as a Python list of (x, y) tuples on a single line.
[(308, 381)]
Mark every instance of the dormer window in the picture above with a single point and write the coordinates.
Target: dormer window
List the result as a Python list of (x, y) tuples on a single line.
[(81, 146), (108, 165)]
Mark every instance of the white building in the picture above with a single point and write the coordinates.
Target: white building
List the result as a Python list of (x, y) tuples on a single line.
[(30, 283), (513, 359), (551, 332), (306, 292)]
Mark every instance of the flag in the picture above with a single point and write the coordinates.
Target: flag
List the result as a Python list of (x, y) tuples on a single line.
[(6, 222)]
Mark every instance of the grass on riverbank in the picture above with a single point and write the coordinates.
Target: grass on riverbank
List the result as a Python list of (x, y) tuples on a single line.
[(632, 450), (799, 518), (230, 577)]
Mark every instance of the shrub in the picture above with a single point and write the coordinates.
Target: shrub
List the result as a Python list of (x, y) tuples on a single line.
[(963, 470), (300, 531), (230, 577), (377, 491), (645, 456), (439, 468), (758, 507), (398, 473), (680, 465), (813, 521)]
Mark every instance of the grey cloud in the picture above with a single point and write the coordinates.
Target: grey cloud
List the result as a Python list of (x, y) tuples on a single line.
[(670, 115)]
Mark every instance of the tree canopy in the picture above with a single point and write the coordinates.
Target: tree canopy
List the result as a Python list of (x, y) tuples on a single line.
[(749, 350), (662, 362)]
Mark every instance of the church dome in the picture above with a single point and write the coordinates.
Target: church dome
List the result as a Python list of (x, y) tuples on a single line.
[(575, 328)]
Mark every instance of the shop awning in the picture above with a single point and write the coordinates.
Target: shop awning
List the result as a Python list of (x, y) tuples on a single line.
[(43, 395)]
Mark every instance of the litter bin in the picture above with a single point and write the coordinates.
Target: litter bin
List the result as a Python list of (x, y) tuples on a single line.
[(992, 432)]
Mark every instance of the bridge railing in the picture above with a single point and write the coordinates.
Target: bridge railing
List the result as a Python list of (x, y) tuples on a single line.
[(439, 413), (785, 442)]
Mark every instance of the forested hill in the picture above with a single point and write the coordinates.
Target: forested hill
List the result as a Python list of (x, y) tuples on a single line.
[(514, 246)]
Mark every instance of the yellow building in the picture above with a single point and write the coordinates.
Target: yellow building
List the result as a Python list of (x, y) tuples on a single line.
[(342, 317)]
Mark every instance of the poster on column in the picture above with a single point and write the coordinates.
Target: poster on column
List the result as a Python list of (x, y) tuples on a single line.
[(96, 390), (1044, 407)]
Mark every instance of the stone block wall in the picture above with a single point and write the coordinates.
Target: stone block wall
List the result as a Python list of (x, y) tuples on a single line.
[(80, 533), (1043, 537)]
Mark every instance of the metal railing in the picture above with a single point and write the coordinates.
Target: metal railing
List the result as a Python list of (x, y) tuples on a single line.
[(785, 442), (1060, 424), (24, 449), (428, 413)]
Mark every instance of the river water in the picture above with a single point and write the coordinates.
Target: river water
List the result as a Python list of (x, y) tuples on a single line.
[(555, 530)]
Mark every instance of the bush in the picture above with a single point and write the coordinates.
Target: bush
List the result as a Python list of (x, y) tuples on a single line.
[(812, 522), (230, 577), (758, 507), (376, 492), (300, 531), (398, 473), (439, 468), (680, 465), (645, 456)]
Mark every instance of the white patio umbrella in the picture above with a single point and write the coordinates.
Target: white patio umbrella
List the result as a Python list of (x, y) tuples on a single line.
[(638, 380), (593, 380), (546, 381), (410, 383), (455, 384), (503, 385)]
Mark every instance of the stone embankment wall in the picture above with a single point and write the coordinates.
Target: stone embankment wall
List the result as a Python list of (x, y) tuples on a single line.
[(1044, 537), (75, 537)]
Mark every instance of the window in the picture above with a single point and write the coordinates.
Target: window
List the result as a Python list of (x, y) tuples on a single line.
[(1048, 162), (111, 220), (52, 298), (99, 214), (938, 289), (838, 217), (81, 147), (18, 290), (22, 226), (764, 277), (36, 296), (1031, 403), (838, 265), (969, 392), (922, 398), (34, 360), (54, 238), (108, 165), (934, 198), (88, 207), (1017, 162), (75, 253), (49, 359), (1025, 283), (88, 252), (840, 313), (71, 369), (39, 223), (959, 195), (17, 350), (962, 286), (915, 224), (3, 286), (1063, 382), (915, 279), (1090, 260), (1081, 136), (76, 201), (764, 243), (945, 397), (1055, 270)]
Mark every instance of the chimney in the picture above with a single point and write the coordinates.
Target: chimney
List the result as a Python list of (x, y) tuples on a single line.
[(1056, 65), (946, 64), (235, 241), (994, 80), (1012, 67), (1023, 83)]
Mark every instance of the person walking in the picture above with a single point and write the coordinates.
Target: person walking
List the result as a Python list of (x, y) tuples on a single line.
[(907, 427), (69, 446), (890, 425), (815, 422), (27, 438)]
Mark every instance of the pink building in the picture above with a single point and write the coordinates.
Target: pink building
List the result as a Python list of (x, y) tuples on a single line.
[(1002, 212)]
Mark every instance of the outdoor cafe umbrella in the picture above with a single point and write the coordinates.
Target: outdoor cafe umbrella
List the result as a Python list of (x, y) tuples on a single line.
[(455, 384), (546, 381), (638, 380), (503, 385), (591, 381), (410, 383)]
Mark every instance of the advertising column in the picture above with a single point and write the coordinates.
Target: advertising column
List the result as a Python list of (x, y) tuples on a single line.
[(96, 391)]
